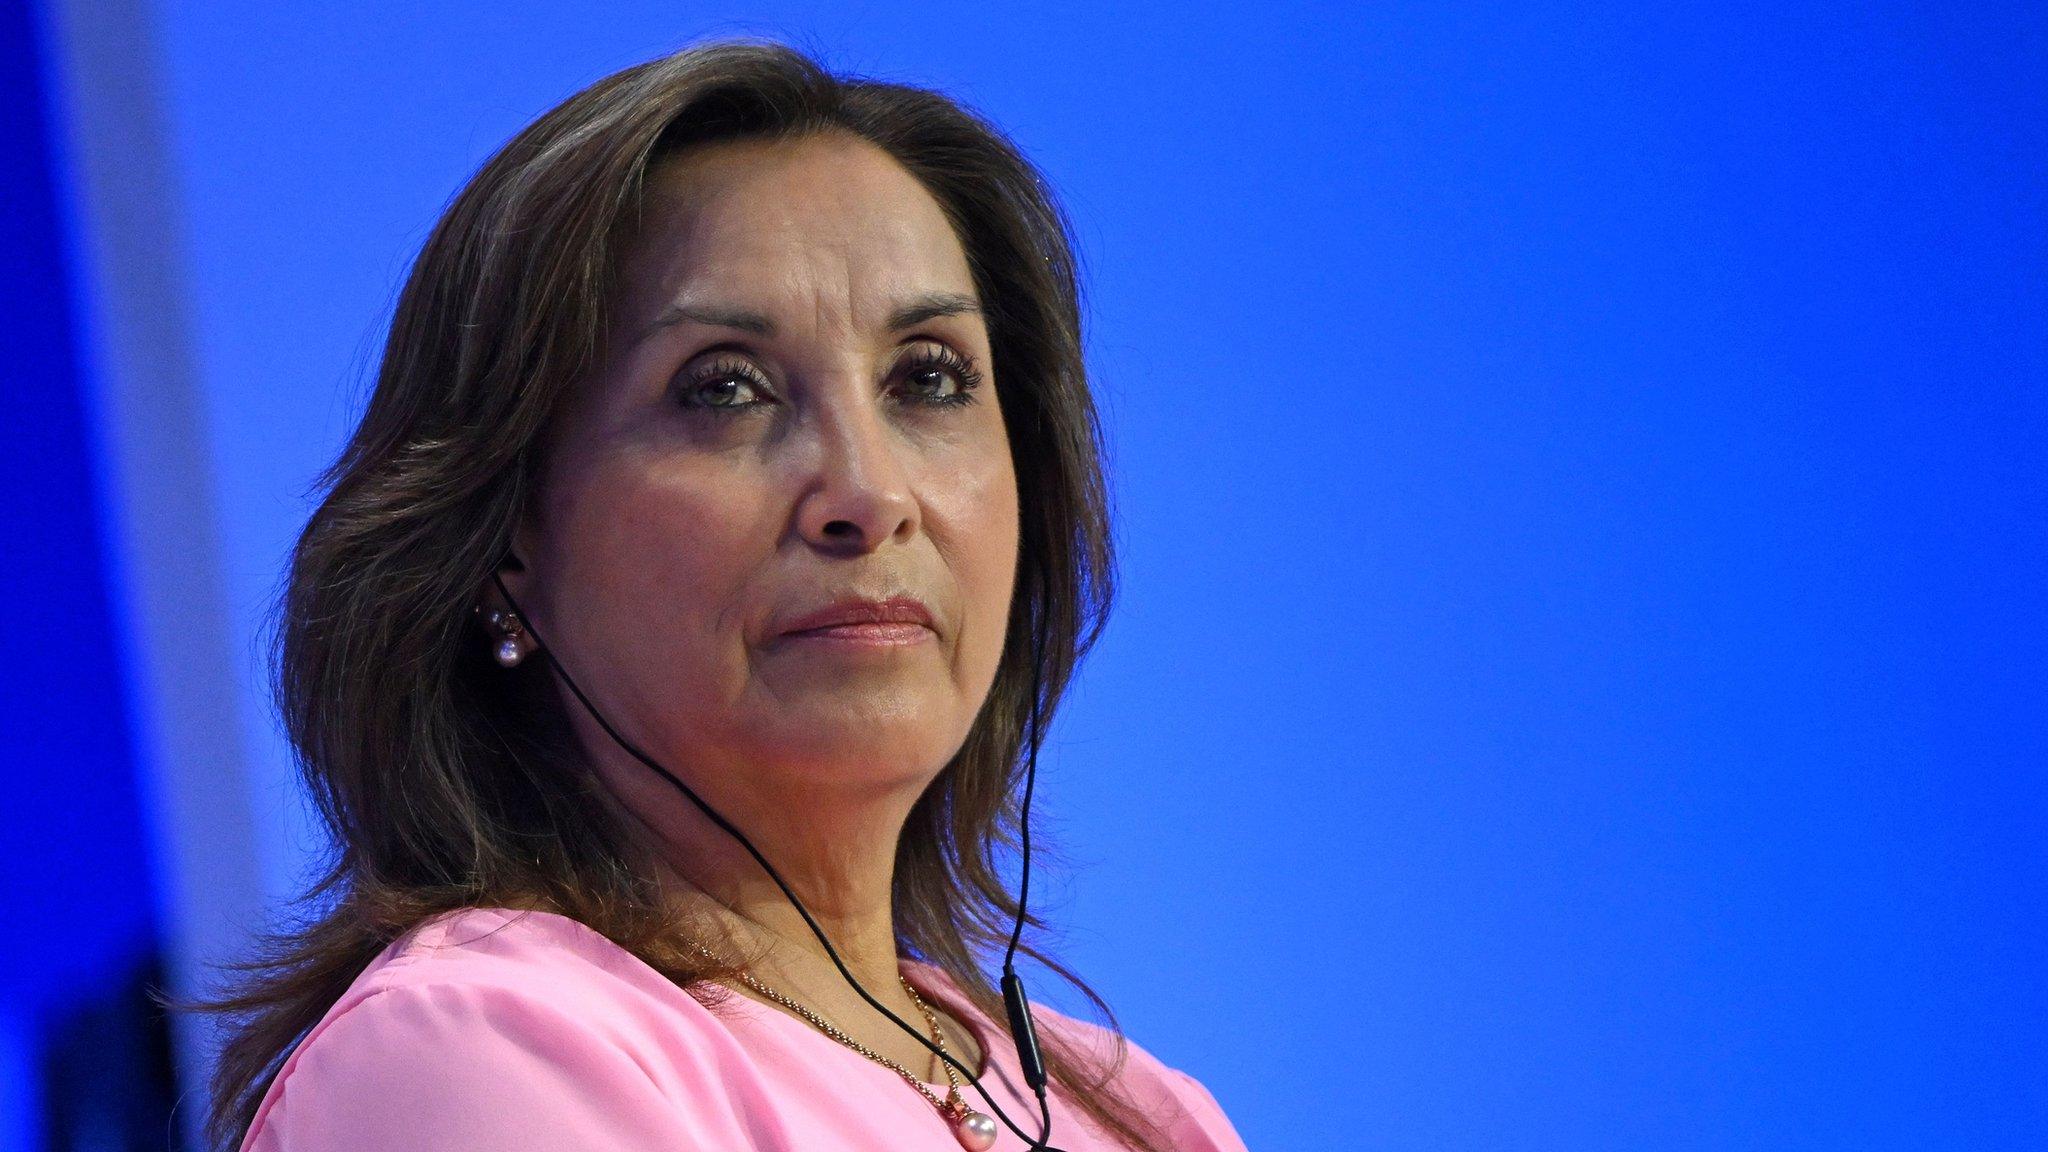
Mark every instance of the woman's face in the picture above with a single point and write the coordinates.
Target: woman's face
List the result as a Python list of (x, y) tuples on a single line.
[(798, 409)]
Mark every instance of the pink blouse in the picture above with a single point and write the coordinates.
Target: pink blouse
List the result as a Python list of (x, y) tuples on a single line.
[(489, 1029)]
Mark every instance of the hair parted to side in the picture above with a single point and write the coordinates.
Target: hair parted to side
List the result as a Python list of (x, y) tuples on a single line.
[(446, 781)]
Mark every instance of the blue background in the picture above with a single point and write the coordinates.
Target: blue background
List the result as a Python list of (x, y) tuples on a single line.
[(1579, 681)]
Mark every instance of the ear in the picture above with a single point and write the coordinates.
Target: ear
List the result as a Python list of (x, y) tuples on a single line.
[(525, 544), (512, 570)]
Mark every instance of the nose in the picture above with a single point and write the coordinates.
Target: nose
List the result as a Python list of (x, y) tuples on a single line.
[(860, 494)]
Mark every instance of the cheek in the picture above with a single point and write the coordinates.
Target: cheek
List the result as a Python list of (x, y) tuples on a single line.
[(661, 560), (981, 514)]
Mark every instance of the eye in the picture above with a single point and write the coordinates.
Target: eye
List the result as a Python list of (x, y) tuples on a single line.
[(941, 377), (722, 386)]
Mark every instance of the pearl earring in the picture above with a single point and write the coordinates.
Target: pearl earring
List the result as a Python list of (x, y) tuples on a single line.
[(509, 651)]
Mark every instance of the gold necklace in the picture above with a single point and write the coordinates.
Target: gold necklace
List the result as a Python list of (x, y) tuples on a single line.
[(975, 1131)]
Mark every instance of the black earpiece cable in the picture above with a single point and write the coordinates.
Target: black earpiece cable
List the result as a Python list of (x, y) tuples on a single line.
[(1014, 1000)]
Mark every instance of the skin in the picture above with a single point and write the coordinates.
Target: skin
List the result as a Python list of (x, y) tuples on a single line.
[(668, 540)]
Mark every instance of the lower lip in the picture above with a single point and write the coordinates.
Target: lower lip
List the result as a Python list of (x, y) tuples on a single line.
[(868, 635)]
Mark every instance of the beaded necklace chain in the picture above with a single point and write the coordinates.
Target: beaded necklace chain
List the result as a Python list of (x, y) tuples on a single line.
[(975, 1131)]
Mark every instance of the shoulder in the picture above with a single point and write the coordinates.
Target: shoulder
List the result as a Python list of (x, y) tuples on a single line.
[(1181, 1105), (488, 1028)]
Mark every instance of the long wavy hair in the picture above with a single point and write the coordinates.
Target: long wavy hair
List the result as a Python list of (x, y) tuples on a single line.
[(445, 781)]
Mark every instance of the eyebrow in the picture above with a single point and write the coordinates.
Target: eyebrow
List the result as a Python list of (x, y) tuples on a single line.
[(916, 310)]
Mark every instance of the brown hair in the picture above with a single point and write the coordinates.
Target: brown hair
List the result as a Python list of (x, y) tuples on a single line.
[(446, 781)]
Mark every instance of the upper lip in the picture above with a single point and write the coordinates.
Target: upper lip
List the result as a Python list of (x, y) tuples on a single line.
[(861, 610)]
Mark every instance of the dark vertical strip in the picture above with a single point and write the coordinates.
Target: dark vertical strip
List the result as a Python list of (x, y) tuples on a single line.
[(117, 179), (77, 886)]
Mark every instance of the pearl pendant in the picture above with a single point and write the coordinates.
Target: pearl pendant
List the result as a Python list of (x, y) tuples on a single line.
[(977, 1132), (509, 652)]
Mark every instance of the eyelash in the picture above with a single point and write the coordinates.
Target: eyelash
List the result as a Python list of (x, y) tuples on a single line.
[(933, 356)]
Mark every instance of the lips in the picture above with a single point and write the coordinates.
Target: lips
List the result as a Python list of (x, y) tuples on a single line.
[(856, 610)]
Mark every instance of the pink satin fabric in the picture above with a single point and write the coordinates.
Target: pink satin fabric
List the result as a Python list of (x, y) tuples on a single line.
[(491, 1029)]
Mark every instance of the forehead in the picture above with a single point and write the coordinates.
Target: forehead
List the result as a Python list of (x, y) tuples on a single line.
[(819, 223)]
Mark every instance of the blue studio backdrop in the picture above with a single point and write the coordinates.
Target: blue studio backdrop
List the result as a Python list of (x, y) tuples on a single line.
[(1578, 682)]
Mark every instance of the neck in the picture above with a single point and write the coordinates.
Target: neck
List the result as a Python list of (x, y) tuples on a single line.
[(834, 847)]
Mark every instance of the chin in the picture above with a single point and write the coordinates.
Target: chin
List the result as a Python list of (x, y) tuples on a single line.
[(868, 755)]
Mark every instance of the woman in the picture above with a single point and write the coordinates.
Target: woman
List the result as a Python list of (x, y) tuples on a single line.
[(669, 652)]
